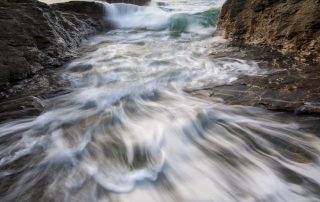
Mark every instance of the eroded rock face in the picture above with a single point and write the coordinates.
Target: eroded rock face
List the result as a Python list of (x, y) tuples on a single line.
[(291, 26), (34, 35)]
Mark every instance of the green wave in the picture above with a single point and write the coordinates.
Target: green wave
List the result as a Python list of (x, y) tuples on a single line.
[(179, 23)]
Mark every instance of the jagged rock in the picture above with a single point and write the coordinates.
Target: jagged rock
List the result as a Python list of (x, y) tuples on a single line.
[(34, 35), (290, 26)]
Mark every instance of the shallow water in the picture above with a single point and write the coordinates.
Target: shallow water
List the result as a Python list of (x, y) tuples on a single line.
[(129, 132)]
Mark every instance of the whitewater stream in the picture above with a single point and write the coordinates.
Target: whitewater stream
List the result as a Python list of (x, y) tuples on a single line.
[(128, 131)]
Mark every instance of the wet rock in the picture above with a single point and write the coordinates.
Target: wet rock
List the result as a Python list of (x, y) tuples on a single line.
[(23, 98), (288, 85), (35, 40), (81, 68), (34, 35), (82, 10), (23, 107), (290, 26)]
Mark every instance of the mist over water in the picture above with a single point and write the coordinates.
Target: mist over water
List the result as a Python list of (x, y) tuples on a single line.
[(129, 132)]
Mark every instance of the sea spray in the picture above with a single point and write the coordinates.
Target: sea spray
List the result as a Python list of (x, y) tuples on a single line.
[(128, 131), (128, 16)]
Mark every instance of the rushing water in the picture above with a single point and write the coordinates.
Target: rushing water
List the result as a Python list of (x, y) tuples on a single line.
[(129, 132)]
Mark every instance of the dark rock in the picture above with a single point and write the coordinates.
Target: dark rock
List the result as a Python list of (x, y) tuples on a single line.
[(34, 35), (26, 107), (81, 68), (36, 39), (22, 98), (42, 35), (81, 9), (290, 26), (289, 85)]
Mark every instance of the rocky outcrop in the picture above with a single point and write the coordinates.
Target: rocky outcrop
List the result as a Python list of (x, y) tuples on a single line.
[(287, 85), (34, 35), (35, 40), (290, 26), (284, 35)]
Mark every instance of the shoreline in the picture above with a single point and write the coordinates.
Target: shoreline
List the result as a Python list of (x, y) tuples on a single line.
[(286, 87), (289, 85)]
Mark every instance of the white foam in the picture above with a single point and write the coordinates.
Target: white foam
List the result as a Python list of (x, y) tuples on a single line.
[(132, 16), (129, 127)]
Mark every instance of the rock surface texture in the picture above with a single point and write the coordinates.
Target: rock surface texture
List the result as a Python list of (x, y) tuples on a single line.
[(35, 40), (34, 35), (290, 26), (281, 89)]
